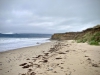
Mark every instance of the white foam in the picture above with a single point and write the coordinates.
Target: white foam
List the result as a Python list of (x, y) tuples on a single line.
[(14, 43)]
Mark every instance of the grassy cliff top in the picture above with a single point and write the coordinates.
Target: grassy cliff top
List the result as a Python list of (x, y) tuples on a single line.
[(97, 26), (90, 35)]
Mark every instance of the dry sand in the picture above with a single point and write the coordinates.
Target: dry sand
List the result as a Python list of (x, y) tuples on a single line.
[(53, 58)]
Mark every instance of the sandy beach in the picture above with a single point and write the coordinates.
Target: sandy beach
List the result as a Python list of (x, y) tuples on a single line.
[(52, 58)]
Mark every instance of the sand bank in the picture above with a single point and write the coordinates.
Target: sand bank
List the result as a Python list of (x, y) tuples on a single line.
[(53, 58)]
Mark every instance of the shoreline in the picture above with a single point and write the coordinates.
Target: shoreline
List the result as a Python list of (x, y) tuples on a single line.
[(25, 47), (8, 44), (52, 58)]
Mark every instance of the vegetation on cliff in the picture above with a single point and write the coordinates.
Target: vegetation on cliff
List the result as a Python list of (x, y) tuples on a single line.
[(90, 35), (92, 39)]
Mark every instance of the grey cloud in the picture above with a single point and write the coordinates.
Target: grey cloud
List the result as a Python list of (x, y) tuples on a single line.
[(48, 16)]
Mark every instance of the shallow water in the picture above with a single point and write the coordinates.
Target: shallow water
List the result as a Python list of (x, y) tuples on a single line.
[(14, 43)]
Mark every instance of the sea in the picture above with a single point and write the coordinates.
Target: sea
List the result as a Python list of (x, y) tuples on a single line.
[(15, 41)]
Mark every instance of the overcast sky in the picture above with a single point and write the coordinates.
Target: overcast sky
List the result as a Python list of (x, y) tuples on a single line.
[(48, 16)]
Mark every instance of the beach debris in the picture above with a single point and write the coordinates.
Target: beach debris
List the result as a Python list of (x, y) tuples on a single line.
[(33, 73), (55, 71), (62, 68), (23, 64), (86, 56), (38, 56), (58, 58), (31, 64), (29, 70), (44, 58), (95, 65), (88, 59), (45, 61), (57, 64), (27, 66), (38, 66), (29, 73), (27, 59), (62, 53), (55, 48), (46, 54), (67, 51)]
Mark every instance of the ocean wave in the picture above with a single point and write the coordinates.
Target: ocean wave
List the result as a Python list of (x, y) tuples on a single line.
[(14, 43)]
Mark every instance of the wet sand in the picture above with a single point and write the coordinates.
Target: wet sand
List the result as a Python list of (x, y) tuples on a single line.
[(53, 58)]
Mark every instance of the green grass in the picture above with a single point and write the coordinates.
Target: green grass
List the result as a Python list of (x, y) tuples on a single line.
[(93, 42), (95, 39), (92, 39), (81, 40)]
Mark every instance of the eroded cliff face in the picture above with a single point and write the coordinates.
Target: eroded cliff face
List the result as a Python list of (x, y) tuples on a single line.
[(76, 35), (65, 36)]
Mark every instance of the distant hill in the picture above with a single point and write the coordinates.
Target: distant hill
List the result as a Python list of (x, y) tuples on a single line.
[(25, 35), (90, 35)]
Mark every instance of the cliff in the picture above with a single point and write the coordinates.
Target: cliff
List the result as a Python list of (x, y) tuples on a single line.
[(65, 36), (83, 36)]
